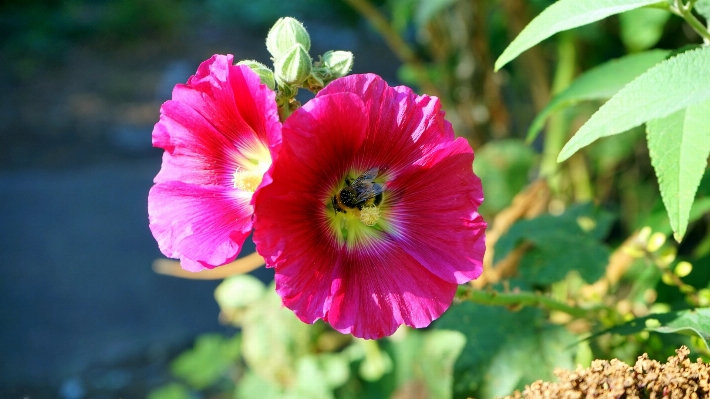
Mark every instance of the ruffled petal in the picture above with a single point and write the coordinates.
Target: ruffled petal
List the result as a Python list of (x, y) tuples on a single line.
[(434, 213), (368, 292), (205, 226), (379, 288), (417, 120), (222, 111), (385, 275), (221, 119)]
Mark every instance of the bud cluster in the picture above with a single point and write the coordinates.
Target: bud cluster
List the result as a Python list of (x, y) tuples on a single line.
[(288, 43)]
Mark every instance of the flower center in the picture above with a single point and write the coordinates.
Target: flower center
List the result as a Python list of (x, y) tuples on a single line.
[(248, 179), (357, 209), (369, 215)]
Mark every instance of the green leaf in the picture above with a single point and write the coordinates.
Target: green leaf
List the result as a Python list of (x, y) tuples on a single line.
[(504, 350), (239, 291), (273, 339), (703, 8), (252, 386), (504, 167), (208, 361), (560, 244), (531, 358), (564, 15), (693, 322), (599, 83), (670, 86), (170, 391), (679, 145), (642, 28), (439, 352)]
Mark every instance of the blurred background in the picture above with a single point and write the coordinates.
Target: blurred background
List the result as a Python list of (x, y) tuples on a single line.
[(83, 315), (81, 83)]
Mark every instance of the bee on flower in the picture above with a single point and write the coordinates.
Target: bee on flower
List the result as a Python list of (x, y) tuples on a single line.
[(371, 218)]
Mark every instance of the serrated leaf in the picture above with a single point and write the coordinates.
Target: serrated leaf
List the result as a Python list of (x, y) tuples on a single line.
[(693, 321), (643, 27), (703, 8), (564, 15), (599, 83), (560, 244), (670, 86), (679, 145), (520, 344)]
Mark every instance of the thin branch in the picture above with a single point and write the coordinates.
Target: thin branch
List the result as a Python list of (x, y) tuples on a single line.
[(522, 299), (242, 265), (685, 11), (401, 49)]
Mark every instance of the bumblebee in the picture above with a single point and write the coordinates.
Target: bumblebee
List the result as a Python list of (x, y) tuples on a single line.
[(358, 193)]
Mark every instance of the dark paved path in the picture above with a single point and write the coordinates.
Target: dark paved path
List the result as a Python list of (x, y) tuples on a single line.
[(76, 286)]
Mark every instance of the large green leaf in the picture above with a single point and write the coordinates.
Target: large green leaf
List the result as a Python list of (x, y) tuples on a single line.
[(679, 145), (504, 350), (560, 244), (670, 86), (599, 83), (693, 321), (564, 15), (703, 8), (642, 28)]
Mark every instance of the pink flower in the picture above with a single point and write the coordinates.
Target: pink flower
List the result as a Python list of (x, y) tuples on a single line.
[(391, 248), (220, 133)]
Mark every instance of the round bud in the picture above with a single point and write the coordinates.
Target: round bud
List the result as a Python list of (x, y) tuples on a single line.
[(294, 66), (265, 74), (285, 33)]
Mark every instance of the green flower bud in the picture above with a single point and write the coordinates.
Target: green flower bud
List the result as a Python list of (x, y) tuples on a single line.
[(294, 66), (285, 33), (265, 74), (338, 63)]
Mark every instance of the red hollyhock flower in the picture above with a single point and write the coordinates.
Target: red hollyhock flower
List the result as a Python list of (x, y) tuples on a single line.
[(220, 132), (371, 220)]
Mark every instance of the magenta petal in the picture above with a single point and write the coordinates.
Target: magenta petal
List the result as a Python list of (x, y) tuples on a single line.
[(219, 221), (417, 120), (369, 293), (435, 215), (367, 271), (217, 126)]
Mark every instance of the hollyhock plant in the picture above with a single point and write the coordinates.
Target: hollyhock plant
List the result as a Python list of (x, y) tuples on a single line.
[(371, 221), (220, 133)]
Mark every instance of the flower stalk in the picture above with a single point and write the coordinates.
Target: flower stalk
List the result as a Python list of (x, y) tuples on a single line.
[(520, 299)]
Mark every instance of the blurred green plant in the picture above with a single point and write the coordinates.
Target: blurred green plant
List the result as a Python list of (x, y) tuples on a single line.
[(275, 355)]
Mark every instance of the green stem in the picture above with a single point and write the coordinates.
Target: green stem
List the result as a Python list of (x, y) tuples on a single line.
[(557, 128), (685, 12), (522, 299)]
